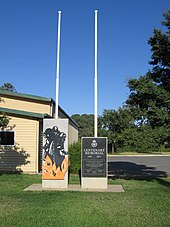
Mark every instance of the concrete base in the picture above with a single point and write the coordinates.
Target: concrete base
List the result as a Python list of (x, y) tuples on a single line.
[(54, 184), (94, 182), (74, 187)]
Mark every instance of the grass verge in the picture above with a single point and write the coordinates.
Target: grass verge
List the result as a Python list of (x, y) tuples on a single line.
[(144, 203), (140, 153)]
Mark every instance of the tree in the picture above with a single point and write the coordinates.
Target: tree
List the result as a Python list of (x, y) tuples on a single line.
[(8, 87), (148, 102), (160, 47), (149, 99), (143, 124), (114, 123), (86, 124), (4, 119)]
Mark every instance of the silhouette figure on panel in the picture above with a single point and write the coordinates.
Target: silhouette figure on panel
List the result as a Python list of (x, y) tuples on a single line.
[(55, 162)]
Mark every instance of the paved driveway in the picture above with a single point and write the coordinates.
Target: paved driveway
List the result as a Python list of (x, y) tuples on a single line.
[(138, 166)]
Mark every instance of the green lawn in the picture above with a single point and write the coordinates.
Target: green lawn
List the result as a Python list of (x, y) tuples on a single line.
[(144, 203)]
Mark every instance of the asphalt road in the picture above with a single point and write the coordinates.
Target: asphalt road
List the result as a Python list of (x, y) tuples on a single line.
[(138, 166)]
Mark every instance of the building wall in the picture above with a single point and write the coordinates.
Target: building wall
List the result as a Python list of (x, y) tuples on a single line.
[(24, 155), (72, 129), (72, 134), (26, 105)]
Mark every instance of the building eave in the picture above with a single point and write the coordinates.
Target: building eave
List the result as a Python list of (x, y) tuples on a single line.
[(23, 113), (26, 96)]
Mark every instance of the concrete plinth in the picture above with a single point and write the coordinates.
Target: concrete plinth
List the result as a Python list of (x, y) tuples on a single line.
[(94, 183), (55, 183)]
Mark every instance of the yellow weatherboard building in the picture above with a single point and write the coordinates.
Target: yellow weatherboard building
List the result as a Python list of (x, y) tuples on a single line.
[(21, 143)]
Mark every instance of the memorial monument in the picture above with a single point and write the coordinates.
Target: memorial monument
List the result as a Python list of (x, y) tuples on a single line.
[(94, 162), (94, 149), (55, 160)]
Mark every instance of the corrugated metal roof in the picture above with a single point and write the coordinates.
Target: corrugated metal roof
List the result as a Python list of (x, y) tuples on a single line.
[(27, 96), (23, 113)]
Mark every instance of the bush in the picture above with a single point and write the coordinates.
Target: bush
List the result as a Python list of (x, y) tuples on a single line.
[(143, 139), (75, 157)]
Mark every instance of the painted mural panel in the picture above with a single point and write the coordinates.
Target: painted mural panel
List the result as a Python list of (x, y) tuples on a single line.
[(55, 156)]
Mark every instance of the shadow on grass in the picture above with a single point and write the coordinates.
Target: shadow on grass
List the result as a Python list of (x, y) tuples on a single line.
[(163, 182), (12, 158), (129, 170)]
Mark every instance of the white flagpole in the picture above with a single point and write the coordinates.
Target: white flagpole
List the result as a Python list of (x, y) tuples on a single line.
[(95, 80), (58, 65)]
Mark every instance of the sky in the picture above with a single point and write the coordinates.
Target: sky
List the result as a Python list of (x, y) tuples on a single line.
[(28, 47)]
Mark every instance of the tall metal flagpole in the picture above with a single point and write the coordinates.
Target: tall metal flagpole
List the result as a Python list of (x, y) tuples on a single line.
[(58, 65), (95, 80)]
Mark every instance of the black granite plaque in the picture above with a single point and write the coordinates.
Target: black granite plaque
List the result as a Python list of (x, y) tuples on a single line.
[(94, 153)]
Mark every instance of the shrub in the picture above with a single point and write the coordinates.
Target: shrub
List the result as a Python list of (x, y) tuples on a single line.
[(75, 157)]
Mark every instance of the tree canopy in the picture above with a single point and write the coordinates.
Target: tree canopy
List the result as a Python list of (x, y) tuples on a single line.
[(8, 87), (4, 119), (144, 122), (86, 124)]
